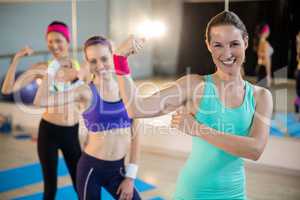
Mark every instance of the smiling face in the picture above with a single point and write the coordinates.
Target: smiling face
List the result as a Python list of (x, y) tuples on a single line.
[(227, 47), (57, 45), (100, 60)]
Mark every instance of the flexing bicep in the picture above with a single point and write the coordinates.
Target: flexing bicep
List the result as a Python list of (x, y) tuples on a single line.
[(159, 103), (44, 97), (262, 118), (35, 71)]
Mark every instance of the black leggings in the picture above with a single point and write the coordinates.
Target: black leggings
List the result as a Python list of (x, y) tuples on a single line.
[(93, 173), (51, 138)]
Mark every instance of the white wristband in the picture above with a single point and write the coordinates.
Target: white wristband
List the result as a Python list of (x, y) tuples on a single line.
[(131, 170)]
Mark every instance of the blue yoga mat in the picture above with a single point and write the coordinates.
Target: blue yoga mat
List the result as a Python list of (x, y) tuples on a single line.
[(69, 193), (64, 193), (294, 130), (290, 121), (142, 186), (292, 124), (156, 198), (23, 136), (26, 175), (30, 174), (274, 130), (286, 118)]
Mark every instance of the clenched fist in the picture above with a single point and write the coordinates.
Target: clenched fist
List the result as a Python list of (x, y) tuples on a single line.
[(130, 46)]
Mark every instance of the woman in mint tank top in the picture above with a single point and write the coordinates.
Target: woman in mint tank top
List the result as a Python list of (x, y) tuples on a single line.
[(227, 117)]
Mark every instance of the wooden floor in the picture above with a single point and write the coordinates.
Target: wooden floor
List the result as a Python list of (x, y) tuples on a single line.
[(159, 169)]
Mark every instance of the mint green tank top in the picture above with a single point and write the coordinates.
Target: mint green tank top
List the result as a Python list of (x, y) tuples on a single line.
[(211, 173)]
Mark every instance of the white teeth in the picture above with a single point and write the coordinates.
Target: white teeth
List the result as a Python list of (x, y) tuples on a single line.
[(229, 62)]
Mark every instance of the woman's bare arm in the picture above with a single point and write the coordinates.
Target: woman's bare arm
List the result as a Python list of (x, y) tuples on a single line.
[(11, 85), (45, 98), (251, 146), (159, 103)]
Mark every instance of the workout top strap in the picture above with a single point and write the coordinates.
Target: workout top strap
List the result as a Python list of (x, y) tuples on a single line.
[(236, 120), (103, 115)]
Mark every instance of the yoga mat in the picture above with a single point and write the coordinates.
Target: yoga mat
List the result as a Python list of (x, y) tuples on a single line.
[(274, 130), (26, 175), (156, 198), (286, 118), (64, 193), (294, 130), (31, 174), (68, 192)]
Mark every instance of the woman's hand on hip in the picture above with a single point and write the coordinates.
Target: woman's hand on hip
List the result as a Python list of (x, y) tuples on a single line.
[(125, 190)]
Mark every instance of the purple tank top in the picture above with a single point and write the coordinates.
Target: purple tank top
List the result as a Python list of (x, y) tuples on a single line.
[(103, 115)]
